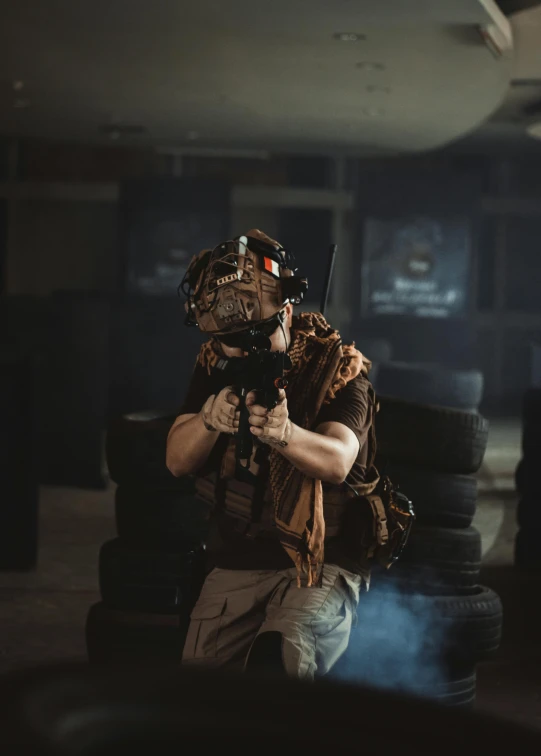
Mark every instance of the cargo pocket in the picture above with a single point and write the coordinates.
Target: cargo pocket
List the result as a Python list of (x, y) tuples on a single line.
[(332, 614), (339, 605), (205, 622), (352, 586)]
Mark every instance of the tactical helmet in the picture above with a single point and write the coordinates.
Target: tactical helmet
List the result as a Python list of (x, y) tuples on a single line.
[(240, 282)]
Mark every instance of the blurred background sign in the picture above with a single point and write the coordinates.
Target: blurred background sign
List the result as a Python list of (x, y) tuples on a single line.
[(164, 222), (416, 265)]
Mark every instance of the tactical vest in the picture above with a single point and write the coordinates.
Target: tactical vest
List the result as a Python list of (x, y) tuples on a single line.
[(253, 510), (373, 517)]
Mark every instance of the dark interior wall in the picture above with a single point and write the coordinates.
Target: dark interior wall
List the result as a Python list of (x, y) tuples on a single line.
[(151, 354), (44, 160), (3, 242), (61, 245), (163, 223), (522, 267), (508, 305), (308, 233), (502, 199), (74, 244), (403, 192)]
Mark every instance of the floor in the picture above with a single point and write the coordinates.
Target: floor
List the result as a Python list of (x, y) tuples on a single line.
[(42, 613)]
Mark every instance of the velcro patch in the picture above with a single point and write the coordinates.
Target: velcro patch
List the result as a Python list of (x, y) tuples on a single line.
[(227, 279), (272, 267)]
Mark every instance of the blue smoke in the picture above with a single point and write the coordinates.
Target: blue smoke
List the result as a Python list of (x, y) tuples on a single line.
[(398, 643)]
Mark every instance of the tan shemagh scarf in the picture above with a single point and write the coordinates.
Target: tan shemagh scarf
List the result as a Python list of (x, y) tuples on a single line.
[(321, 367)]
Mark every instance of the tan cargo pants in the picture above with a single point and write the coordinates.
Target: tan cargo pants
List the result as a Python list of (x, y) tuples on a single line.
[(237, 606)]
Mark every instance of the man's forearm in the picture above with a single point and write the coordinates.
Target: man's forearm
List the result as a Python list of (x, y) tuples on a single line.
[(315, 455), (188, 446)]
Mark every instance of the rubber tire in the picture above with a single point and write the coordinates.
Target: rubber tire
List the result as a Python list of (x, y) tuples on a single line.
[(159, 518), (458, 690), (454, 684), (74, 391), (19, 455), (436, 560), (447, 501), (440, 439), (135, 449), (115, 636), (150, 580), (476, 621), (443, 630), (431, 384)]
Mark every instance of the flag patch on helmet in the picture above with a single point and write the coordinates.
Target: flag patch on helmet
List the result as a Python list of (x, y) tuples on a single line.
[(272, 266)]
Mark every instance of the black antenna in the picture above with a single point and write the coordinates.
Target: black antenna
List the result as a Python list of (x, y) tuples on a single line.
[(327, 285)]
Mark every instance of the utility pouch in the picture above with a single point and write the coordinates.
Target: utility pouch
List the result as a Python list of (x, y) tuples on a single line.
[(376, 525), (399, 515)]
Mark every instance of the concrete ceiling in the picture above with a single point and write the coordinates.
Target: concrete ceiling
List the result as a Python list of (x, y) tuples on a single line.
[(245, 74), (506, 130)]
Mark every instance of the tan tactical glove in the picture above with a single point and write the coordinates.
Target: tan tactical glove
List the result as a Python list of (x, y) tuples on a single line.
[(270, 426), (220, 412)]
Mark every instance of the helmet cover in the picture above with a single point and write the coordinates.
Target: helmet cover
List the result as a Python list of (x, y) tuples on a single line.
[(236, 284)]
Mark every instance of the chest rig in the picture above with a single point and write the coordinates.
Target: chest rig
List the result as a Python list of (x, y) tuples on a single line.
[(245, 499)]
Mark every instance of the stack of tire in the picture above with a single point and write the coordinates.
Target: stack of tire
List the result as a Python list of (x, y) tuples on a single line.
[(73, 390), (431, 440), (151, 574), (527, 549)]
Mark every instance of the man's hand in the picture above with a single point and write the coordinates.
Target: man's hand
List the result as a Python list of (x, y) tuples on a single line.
[(220, 412), (270, 426)]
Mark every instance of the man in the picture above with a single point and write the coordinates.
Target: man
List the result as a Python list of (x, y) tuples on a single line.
[(288, 569)]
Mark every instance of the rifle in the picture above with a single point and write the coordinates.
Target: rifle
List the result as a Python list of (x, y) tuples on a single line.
[(261, 371)]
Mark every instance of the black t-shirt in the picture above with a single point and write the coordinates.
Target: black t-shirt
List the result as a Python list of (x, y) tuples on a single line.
[(228, 548), (349, 407)]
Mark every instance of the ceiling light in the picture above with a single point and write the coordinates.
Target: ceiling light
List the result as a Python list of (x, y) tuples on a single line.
[(18, 85), (368, 65), (349, 37)]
